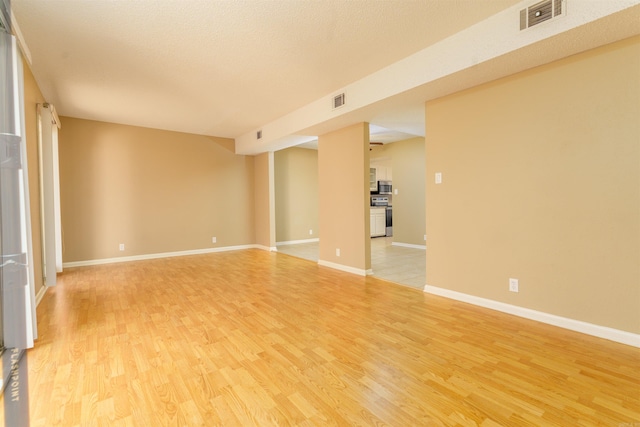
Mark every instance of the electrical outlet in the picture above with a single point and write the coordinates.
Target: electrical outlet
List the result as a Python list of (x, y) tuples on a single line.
[(121, 247), (438, 177), (513, 285), (337, 251), (310, 232), (214, 240), (425, 237)]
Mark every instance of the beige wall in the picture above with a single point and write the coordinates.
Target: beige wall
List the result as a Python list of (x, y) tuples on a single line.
[(406, 159), (33, 97), (409, 179), (264, 201), (343, 173), (155, 191), (541, 182), (296, 186)]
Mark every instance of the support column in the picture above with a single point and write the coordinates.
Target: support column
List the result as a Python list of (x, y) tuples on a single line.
[(264, 196), (343, 184)]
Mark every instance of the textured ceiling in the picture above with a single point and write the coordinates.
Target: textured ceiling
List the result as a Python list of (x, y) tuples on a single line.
[(227, 68), (222, 68)]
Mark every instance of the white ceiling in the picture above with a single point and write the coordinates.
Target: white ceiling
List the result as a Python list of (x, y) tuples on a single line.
[(221, 68), (226, 68)]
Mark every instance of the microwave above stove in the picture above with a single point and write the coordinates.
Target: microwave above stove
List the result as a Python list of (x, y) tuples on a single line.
[(384, 187)]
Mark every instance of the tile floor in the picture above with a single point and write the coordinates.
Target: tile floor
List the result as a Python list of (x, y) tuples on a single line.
[(406, 266)]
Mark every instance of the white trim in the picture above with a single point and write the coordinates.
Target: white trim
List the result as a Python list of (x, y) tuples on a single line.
[(409, 245), (155, 256), (40, 295), (346, 268), (298, 242), (616, 335), (15, 28), (266, 248)]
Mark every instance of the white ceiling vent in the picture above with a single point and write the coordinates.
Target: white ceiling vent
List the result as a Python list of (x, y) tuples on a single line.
[(338, 101), (541, 12)]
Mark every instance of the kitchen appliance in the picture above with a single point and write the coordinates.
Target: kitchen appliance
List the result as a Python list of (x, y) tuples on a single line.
[(384, 201), (384, 187), (379, 200), (389, 221)]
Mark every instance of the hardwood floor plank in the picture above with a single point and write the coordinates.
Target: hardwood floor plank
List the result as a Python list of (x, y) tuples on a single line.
[(257, 338)]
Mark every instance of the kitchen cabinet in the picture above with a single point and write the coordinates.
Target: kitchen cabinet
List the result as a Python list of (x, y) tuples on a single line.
[(383, 173), (379, 172), (373, 180), (378, 224)]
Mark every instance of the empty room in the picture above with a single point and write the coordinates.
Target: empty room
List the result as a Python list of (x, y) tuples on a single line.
[(317, 213)]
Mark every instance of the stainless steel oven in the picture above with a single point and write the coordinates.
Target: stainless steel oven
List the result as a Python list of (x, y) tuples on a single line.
[(379, 200)]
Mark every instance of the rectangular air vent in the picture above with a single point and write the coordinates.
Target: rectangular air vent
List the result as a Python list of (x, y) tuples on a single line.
[(540, 12), (338, 101)]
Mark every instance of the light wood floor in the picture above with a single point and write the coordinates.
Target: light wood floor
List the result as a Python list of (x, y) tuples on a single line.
[(257, 338)]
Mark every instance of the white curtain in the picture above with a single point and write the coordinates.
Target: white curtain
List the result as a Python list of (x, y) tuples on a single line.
[(48, 124)]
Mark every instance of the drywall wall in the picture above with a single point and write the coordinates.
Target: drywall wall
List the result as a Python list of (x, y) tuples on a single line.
[(406, 159), (296, 187), (541, 182), (154, 191), (264, 200), (343, 171)]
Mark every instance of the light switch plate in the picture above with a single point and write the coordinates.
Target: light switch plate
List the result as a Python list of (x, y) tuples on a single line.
[(438, 177)]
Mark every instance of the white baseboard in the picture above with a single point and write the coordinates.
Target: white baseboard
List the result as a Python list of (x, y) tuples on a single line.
[(40, 294), (346, 268), (266, 248), (611, 334), (409, 245), (159, 255), (297, 242)]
